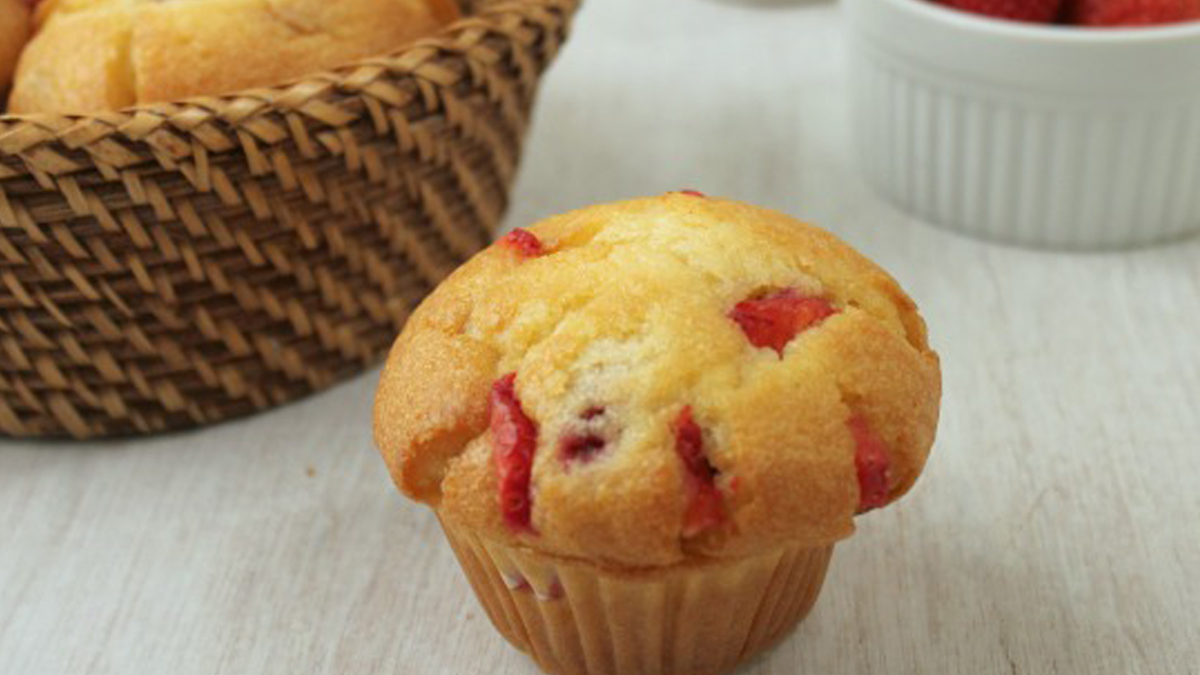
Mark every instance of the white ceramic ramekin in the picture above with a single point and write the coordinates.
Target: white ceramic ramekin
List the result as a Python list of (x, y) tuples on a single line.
[(1038, 135)]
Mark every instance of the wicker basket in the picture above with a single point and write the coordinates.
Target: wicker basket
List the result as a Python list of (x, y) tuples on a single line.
[(177, 264)]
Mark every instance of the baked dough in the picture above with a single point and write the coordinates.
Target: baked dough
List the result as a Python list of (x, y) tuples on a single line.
[(14, 31), (90, 55), (613, 320)]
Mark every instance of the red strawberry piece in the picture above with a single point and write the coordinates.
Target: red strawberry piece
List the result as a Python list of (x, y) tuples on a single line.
[(704, 509), (1120, 13), (692, 193), (1034, 11), (514, 440), (586, 440), (871, 461), (523, 242), (580, 447), (772, 321)]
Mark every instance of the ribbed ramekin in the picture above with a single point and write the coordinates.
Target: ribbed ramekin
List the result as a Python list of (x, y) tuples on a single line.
[(1039, 135)]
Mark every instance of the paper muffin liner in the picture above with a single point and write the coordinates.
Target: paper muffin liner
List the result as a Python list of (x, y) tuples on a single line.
[(577, 618)]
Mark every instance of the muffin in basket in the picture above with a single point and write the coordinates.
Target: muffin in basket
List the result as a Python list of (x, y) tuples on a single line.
[(90, 55), (14, 30), (644, 425)]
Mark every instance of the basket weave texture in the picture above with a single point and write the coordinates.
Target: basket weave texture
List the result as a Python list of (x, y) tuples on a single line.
[(177, 264)]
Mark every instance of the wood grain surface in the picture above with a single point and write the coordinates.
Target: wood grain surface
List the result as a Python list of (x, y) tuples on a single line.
[(1057, 529)]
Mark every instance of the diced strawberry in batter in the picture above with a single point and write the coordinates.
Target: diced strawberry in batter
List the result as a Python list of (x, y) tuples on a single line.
[(773, 320), (873, 465), (523, 242), (514, 440), (705, 508)]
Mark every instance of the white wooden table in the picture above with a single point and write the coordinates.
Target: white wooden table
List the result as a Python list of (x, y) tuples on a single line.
[(1057, 529)]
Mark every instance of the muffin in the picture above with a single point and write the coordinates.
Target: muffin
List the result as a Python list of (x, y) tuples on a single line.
[(92, 55), (14, 31), (644, 425)]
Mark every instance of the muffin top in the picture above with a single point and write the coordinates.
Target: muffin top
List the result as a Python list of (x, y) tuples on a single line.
[(643, 383)]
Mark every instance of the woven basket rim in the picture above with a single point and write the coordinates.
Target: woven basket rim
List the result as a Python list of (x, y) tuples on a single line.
[(440, 41), (177, 264)]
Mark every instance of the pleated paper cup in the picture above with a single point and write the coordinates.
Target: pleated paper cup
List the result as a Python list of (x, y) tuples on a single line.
[(579, 618)]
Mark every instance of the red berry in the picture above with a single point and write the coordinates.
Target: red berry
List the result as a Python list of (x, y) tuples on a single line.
[(523, 242), (1035, 11), (1117, 13), (586, 440), (580, 447), (514, 440), (773, 321), (871, 461), (704, 509)]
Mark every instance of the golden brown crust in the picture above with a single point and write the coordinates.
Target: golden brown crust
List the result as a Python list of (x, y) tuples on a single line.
[(444, 11), (96, 76), (424, 432), (629, 311), (185, 48), (14, 31)]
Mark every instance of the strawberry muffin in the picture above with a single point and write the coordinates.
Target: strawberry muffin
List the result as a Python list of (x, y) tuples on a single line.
[(644, 425)]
